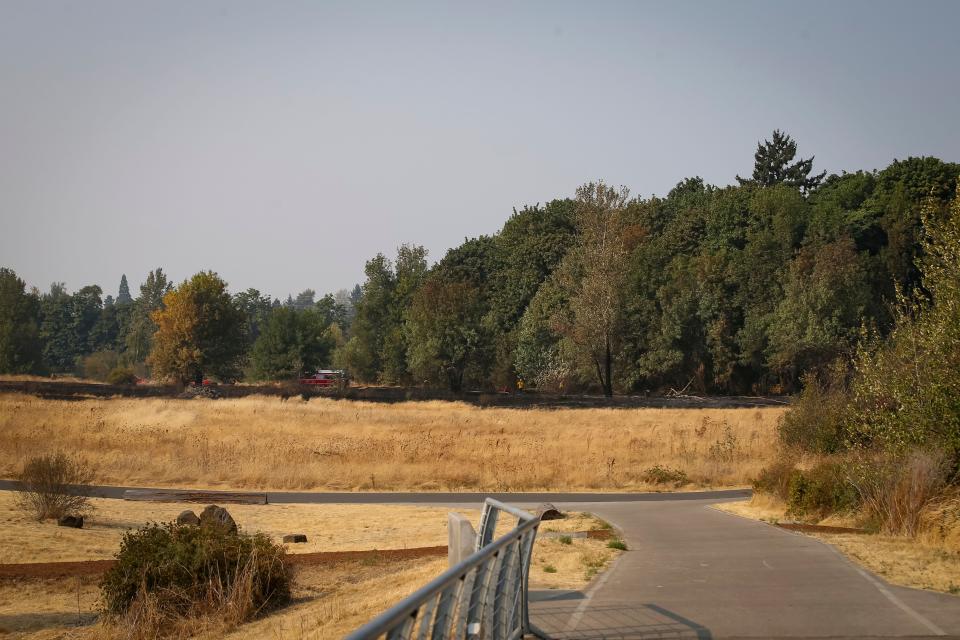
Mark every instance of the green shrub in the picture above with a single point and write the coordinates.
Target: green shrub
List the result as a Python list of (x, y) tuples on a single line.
[(617, 543), (168, 574), (822, 490), (549, 569), (816, 420), (659, 474), (46, 486), (566, 540), (122, 375), (776, 479)]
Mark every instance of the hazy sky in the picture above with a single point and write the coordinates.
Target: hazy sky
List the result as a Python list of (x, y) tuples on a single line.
[(282, 144)]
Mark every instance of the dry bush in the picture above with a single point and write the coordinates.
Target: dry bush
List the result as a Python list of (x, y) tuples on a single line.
[(48, 486), (895, 493), (172, 580), (940, 521)]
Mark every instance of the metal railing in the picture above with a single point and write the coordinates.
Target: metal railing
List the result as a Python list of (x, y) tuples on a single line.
[(482, 598)]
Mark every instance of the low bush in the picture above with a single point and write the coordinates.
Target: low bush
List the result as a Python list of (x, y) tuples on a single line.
[(122, 375), (617, 543), (167, 577), (776, 479), (47, 486), (659, 474), (566, 540), (816, 421), (823, 490), (99, 364)]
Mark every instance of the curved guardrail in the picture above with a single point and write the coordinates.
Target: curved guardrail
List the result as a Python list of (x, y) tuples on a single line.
[(483, 597)]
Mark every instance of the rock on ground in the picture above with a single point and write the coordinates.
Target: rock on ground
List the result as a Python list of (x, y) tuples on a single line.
[(188, 517), (71, 521), (295, 537), (215, 516)]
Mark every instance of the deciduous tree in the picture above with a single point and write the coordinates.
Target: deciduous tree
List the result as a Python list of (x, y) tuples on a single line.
[(199, 332)]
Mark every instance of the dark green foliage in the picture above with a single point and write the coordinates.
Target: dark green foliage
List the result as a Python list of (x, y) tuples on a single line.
[(777, 479), (744, 289), (123, 294), (189, 570), (122, 375), (819, 415), (618, 544), (19, 334), (291, 343), (256, 309), (825, 489), (139, 327), (774, 165), (377, 348), (445, 334), (826, 295)]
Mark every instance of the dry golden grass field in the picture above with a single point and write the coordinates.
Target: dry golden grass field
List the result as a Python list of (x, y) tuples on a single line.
[(341, 445)]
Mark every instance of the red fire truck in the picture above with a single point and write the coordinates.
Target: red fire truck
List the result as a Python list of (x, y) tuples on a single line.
[(326, 378)]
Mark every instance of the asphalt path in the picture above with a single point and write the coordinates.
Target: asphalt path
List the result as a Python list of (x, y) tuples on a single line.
[(436, 498), (695, 572)]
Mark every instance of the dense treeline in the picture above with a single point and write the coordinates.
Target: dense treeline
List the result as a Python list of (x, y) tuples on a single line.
[(734, 289), (876, 435)]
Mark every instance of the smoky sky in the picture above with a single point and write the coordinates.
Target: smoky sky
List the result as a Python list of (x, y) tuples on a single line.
[(282, 144)]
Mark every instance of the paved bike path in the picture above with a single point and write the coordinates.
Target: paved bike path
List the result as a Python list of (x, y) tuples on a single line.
[(695, 572), (437, 498)]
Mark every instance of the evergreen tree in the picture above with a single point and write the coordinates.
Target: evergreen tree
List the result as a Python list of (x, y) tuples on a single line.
[(291, 343), (137, 333), (773, 164), (19, 340), (123, 295)]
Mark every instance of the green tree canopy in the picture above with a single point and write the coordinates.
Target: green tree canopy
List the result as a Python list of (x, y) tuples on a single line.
[(19, 334), (291, 343)]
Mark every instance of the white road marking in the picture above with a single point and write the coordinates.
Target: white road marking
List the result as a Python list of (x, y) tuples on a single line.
[(937, 631), (577, 614)]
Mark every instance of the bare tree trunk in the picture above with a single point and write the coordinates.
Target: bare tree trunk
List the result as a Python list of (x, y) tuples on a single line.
[(608, 385)]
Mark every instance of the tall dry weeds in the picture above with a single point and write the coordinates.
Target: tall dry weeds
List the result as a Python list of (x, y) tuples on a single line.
[(896, 493)]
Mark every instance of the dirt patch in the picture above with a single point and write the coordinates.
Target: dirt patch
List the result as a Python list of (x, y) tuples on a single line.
[(818, 528), (41, 570)]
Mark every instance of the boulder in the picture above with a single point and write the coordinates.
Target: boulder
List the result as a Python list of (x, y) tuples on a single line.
[(189, 518), (547, 511), (214, 516), (71, 521), (295, 538)]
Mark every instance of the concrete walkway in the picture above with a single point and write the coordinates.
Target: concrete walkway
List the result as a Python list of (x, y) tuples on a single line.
[(695, 572)]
